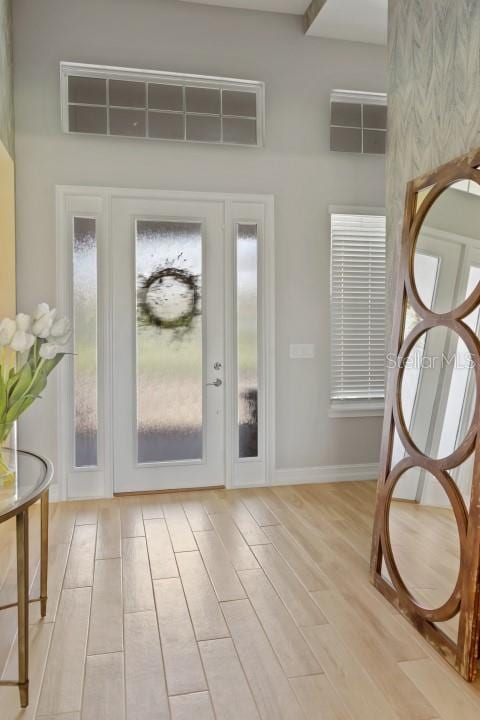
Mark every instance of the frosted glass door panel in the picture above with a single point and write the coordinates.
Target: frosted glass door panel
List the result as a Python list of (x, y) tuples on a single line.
[(85, 341), (168, 336), (247, 339), (169, 341)]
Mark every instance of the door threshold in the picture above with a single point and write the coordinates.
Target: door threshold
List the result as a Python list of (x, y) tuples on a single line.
[(172, 490)]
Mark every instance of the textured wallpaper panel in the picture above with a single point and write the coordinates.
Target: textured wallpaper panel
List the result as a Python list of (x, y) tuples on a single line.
[(6, 81), (434, 94)]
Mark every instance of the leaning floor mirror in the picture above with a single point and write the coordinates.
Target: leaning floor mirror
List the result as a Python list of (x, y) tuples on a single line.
[(426, 538)]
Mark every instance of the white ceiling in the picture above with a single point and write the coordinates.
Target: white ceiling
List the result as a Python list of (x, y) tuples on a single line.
[(295, 7), (357, 20)]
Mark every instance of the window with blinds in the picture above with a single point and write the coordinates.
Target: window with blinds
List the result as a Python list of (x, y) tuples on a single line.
[(357, 309)]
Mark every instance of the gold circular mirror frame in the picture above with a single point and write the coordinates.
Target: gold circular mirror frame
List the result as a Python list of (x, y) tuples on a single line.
[(465, 597)]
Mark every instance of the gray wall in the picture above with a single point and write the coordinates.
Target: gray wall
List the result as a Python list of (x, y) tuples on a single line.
[(6, 80), (433, 94), (296, 166)]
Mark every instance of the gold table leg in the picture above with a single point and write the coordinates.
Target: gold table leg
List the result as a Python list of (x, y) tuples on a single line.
[(22, 584), (44, 553)]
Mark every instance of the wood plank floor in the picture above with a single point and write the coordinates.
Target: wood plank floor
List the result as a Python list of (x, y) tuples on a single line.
[(227, 605)]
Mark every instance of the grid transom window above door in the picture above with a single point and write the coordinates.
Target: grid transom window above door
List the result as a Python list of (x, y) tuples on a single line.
[(147, 104), (357, 312)]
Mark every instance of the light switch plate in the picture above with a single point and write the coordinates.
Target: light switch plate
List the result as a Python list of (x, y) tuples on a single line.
[(302, 352)]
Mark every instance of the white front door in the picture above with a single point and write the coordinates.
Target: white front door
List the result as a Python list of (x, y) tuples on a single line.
[(168, 343), (171, 381)]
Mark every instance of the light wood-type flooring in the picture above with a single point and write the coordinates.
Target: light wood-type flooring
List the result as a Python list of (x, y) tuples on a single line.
[(234, 605)]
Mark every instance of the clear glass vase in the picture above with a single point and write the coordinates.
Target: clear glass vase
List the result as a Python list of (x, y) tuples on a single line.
[(8, 460)]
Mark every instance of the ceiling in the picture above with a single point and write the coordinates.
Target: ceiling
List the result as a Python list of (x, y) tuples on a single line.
[(356, 20), (295, 7)]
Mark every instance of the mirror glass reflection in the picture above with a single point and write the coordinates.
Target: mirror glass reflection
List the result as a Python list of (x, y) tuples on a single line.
[(412, 318), (450, 627), (447, 254), (421, 196), (424, 538), (406, 489), (438, 392)]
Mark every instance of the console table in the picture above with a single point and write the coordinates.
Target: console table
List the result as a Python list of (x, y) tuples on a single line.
[(33, 478)]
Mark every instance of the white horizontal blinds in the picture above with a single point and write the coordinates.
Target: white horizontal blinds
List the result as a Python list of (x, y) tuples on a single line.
[(357, 306)]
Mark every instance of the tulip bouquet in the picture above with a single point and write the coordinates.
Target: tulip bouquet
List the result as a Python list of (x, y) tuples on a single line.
[(30, 348)]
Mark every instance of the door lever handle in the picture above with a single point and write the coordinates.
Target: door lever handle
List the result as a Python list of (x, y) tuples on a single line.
[(216, 383)]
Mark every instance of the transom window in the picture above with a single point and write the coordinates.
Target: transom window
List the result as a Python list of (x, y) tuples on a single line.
[(358, 122), (164, 106)]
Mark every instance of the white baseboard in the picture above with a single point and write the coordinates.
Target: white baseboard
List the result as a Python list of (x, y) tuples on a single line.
[(281, 476), (86, 486), (325, 474)]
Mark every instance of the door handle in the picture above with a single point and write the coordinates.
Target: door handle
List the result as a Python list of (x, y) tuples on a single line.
[(216, 383)]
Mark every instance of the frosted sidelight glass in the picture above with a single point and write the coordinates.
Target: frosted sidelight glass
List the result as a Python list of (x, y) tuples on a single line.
[(85, 340), (169, 340), (247, 339)]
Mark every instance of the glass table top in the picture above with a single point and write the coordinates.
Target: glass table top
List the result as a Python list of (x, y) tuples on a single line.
[(31, 478)]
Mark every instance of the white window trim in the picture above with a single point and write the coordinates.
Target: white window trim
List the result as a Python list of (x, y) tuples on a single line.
[(356, 408), (355, 210), (362, 407), (170, 78), (358, 96)]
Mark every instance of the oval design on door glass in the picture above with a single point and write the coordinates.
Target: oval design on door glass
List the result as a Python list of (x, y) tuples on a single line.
[(438, 392), (424, 538), (446, 260)]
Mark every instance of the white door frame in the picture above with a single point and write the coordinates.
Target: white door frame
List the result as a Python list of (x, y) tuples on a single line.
[(96, 201)]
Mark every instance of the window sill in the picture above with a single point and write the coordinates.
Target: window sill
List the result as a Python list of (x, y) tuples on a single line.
[(356, 408)]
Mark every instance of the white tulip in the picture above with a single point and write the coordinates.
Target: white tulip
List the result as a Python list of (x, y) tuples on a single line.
[(61, 328), (24, 322), (22, 341), (48, 351), (61, 340), (41, 310), (8, 328), (43, 325)]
